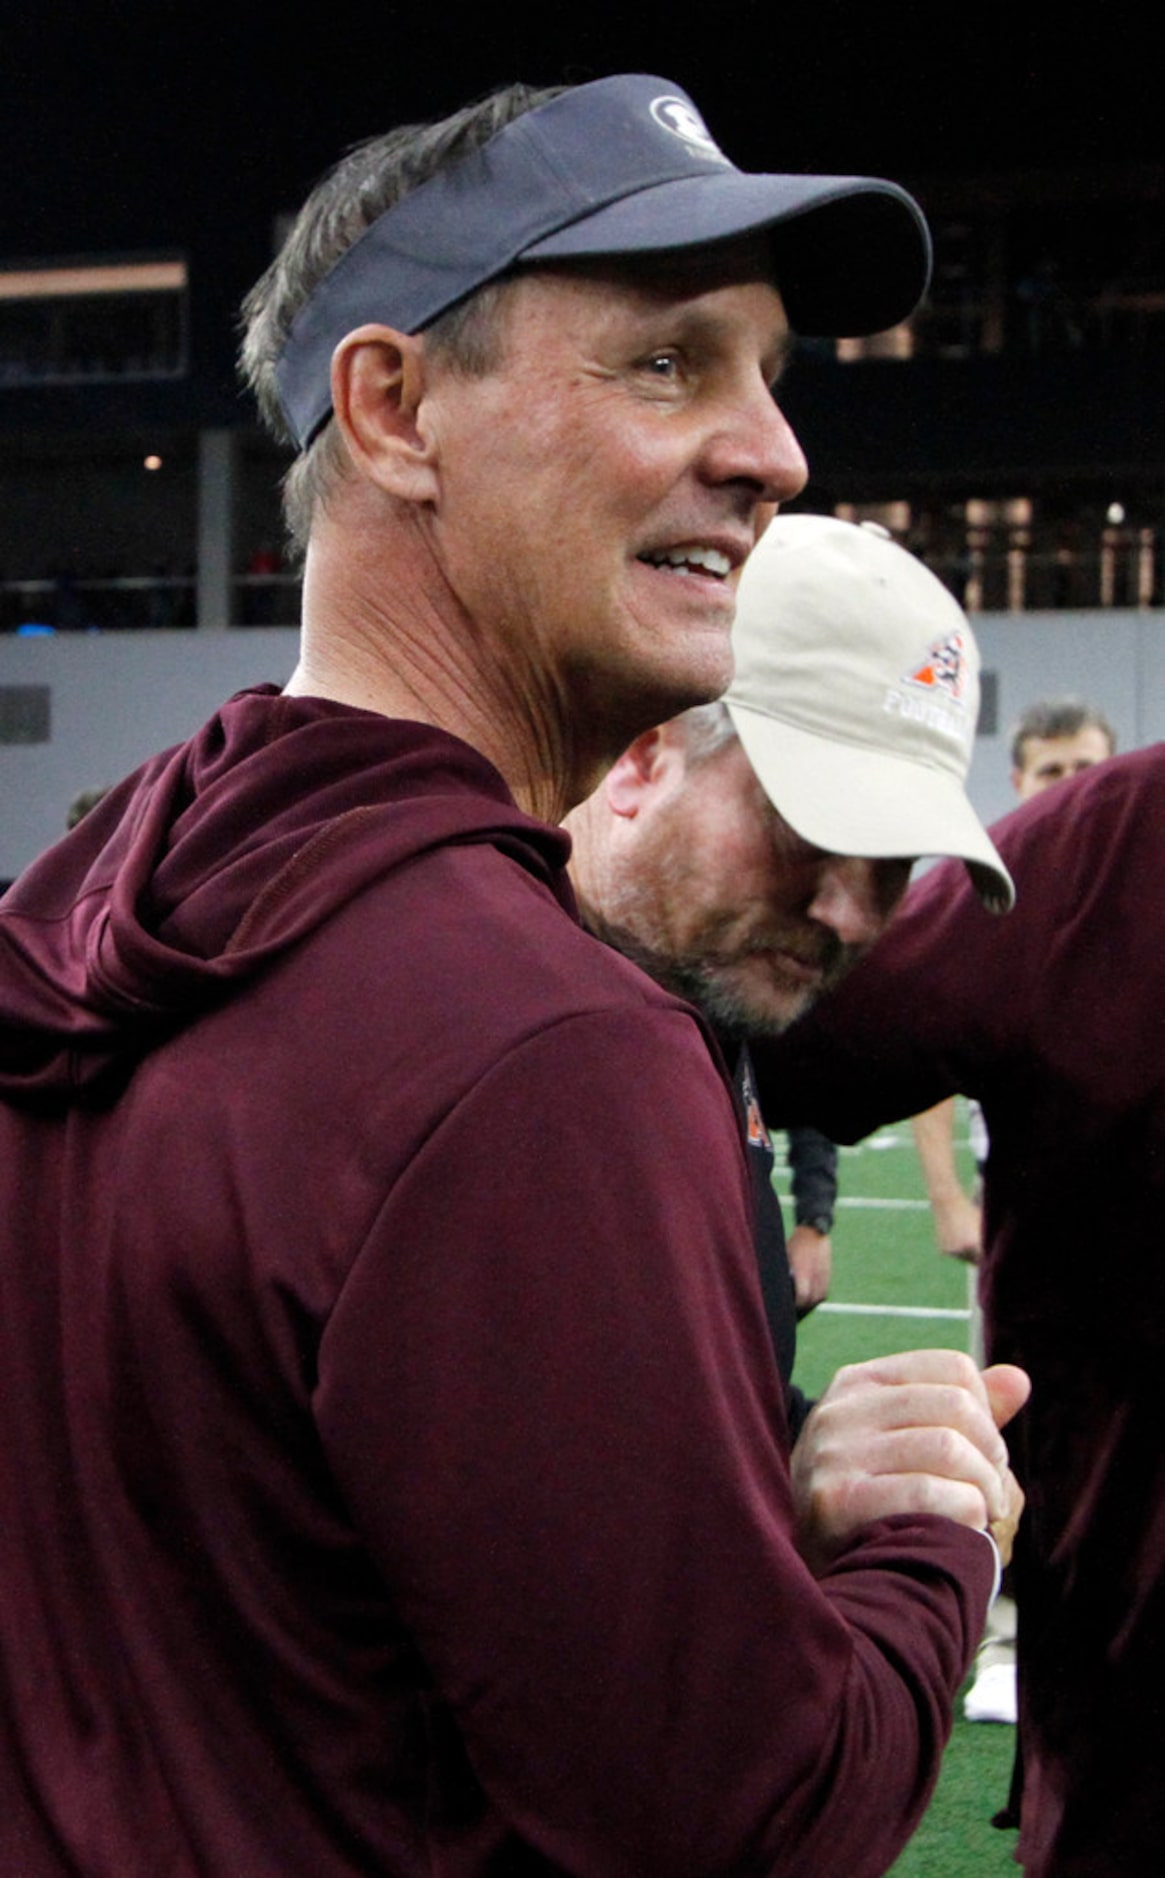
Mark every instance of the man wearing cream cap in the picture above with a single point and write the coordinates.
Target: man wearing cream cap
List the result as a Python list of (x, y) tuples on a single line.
[(748, 852)]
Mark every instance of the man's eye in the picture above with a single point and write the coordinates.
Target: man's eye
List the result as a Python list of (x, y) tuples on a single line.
[(663, 364)]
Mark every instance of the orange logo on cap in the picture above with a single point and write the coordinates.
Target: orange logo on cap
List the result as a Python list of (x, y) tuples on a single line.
[(944, 668)]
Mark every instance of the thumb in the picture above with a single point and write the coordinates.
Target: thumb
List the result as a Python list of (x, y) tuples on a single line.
[(1008, 1388)]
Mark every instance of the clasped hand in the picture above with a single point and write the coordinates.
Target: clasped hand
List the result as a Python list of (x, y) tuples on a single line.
[(913, 1433)]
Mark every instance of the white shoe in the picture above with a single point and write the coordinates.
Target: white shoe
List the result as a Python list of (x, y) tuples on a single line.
[(991, 1697)]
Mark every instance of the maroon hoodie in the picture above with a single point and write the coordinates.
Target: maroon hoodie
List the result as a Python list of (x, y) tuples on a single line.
[(393, 1475)]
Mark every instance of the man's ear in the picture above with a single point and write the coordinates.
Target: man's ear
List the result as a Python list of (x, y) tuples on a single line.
[(643, 769), (378, 385)]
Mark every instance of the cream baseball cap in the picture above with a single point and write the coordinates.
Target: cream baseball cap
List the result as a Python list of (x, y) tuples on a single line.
[(856, 697)]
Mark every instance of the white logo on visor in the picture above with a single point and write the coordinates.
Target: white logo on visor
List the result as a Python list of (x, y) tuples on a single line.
[(684, 121)]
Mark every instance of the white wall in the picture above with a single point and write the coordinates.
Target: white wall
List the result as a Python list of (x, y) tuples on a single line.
[(118, 697)]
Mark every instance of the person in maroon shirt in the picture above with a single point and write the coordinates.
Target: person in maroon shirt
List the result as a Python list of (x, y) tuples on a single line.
[(1054, 739), (395, 1477), (1051, 1020)]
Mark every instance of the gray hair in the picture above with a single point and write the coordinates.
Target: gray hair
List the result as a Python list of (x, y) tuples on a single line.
[(1058, 717), (366, 182)]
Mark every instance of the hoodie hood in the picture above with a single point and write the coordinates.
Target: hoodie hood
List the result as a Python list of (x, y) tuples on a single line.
[(214, 857)]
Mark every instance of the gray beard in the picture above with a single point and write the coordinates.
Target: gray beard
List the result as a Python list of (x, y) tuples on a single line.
[(730, 1015)]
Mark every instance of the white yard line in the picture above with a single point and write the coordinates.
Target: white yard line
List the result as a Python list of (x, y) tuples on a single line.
[(874, 1205), (894, 1310), (888, 1206)]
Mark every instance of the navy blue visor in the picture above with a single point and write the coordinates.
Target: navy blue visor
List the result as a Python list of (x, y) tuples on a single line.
[(622, 166)]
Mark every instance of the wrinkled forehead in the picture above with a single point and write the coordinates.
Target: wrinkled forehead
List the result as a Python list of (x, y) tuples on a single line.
[(1082, 747), (700, 284)]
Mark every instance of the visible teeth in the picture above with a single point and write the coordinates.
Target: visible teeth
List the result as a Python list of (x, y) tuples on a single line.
[(710, 559)]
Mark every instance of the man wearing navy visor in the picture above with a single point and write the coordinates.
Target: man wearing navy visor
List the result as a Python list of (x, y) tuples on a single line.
[(396, 1477)]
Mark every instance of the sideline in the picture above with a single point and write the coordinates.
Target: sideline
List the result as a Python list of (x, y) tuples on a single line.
[(891, 1310)]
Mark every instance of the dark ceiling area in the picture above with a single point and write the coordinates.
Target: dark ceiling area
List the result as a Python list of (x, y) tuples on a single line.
[(143, 126), (1032, 140)]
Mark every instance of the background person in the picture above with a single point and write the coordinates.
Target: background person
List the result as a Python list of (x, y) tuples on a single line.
[(1055, 739), (812, 1162), (1051, 1019)]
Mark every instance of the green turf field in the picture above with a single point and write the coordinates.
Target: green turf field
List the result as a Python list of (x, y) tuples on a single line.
[(892, 1291)]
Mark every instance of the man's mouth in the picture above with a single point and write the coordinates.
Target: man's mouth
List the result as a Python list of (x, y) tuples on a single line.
[(807, 964), (804, 971), (690, 560)]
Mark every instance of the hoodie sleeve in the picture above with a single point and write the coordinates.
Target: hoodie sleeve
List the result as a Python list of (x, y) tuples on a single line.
[(547, 1394)]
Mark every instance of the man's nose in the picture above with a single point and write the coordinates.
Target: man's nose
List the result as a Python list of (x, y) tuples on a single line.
[(850, 900), (757, 445), (782, 467)]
